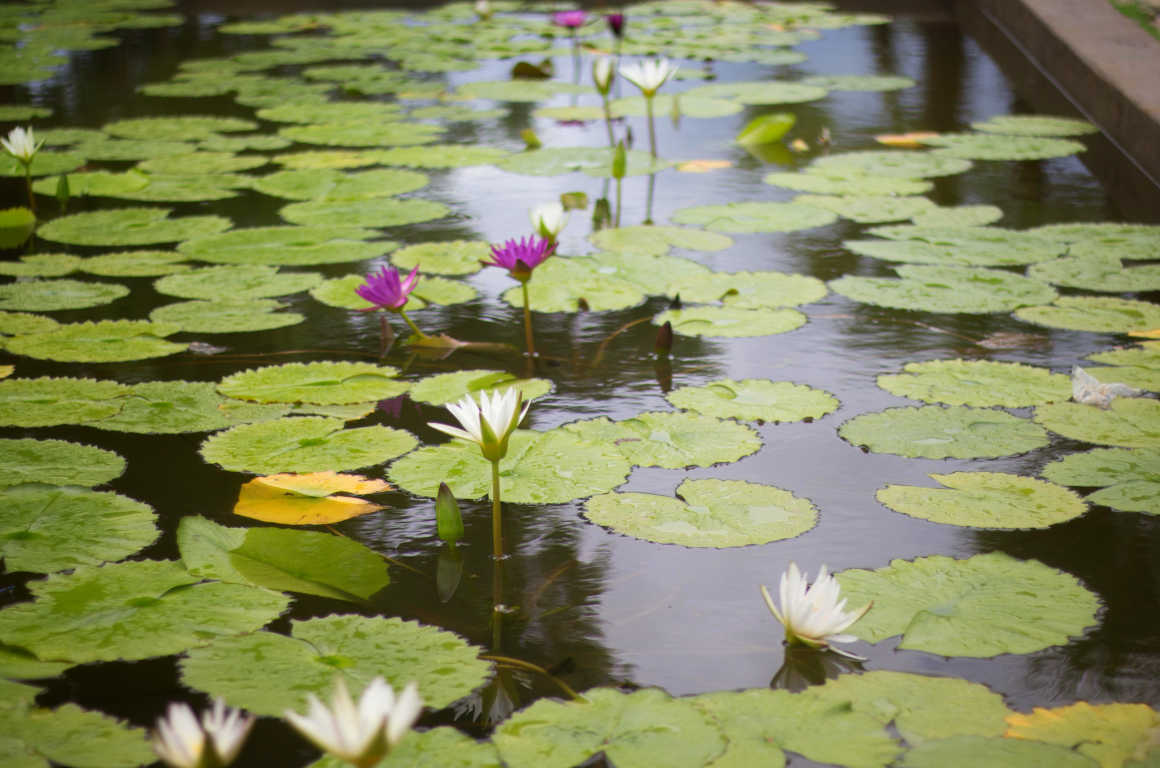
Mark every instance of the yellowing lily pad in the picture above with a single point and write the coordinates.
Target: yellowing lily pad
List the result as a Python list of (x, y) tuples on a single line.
[(935, 432), (304, 444), (259, 501), (325, 383), (982, 606), (755, 400), (714, 513), (986, 500), (959, 216), (981, 383), (731, 322), (1107, 733), (320, 484)]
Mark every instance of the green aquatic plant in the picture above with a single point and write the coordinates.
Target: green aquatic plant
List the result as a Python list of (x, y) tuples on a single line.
[(21, 144), (649, 76), (519, 258)]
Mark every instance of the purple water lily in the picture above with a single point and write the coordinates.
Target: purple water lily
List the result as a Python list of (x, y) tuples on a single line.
[(615, 23), (520, 257), (569, 19), (386, 290)]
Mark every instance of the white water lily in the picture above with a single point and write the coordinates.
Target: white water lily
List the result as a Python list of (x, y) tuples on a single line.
[(602, 73), (548, 219), (648, 75), (813, 615), (21, 144), (182, 742), (361, 734), (488, 423), (483, 9)]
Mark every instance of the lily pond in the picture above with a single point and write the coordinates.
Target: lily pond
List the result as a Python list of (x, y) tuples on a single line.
[(817, 300)]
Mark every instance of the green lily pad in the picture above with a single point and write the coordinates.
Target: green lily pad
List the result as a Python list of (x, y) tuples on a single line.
[(202, 163), (332, 112), (304, 444), (445, 257), (551, 467), (758, 93), (860, 82), (133, 610), (47, 402), (455, 113), (649, 240), (69, 735), (650, 274), (323, 383), (1129, 422), (130, 226), (183, 128), (46, 163), (758, 724), (441, 156), (922, 708), (48, 528), (1018, 240), (755, 400), (937, 288), (49, 295), (287, 246), (1133, 247), (12, 113), (1105, 274), (280, 671), (994, 146), (1108, 733), (174, 407), (1101, 314), (667, 104), (57, 462), (444, 746), (517, 90), (444, 388), (105, 341), (1108, 234), (1128, 478), (853, 184), (981, 752), (1134, 376), (259, 142), (16, 226), (594, 161), (869, 209), (951, 254), (754, 217), (282, 559), (903, 164), (329, 185), (108, 149), (96, 183), (381, 212), (959, 216), (714, 513), (226, 316), (571, 114), (643, 728), (249, 281), (731, 322), (935, 432), (329, 159), (1035, 125), (42, 265), (1147, 355), (985, 500), (363, 134), (176, 188), (749, 290), (677, 440), (982, 383), (21, 323), (135, 264), (982, 606), (560, 283)]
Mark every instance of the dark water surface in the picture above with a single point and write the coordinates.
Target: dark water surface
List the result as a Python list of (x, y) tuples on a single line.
[(597, 607)]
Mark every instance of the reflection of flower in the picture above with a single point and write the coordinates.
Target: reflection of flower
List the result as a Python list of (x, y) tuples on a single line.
[(568, 19), (602, 73), (648, 75), (548, 219), (520, 257), (360, 735), (488, 423), (386, 290), (21, 144), (615, 23), (182, 742), (813, 615)]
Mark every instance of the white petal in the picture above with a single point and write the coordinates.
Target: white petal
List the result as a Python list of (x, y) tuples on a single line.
[(406, 712)]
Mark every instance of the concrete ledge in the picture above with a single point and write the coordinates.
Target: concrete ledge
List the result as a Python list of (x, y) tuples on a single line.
[(1082, 56)]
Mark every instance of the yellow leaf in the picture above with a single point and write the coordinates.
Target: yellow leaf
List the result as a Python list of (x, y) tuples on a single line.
[(1107, 733), (273, 505), (907, 140), (6, 371), (1152, 334), (702, 166), (324, 483)]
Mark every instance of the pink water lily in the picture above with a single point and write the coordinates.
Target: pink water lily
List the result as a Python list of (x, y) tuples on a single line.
[(615, 23), (520, 257), (386, 290), (568, 19)]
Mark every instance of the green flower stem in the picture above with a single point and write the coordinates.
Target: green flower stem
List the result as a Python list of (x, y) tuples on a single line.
[(616, 222), (652, 134), (527, 327), (414, 328), (28, 183), (496, 514), (608, 120)]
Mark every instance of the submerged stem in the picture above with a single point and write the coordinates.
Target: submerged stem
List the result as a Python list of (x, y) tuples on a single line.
[(528, 323), (496, 513), (652, 134), (521, 664), (414, 328), (28, 183)]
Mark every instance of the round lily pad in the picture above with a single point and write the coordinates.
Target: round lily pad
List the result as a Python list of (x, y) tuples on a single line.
[(860, 82), (135, 264), (994, 146), (959, 216), (47, 401), (175, 407), (982, 606), (304, 444), (1101, 314), (236, 283), (39, 527), (332, 112), (120, 150), (48, 295), (56, 462), (749, 290), (731, 322), (981, 752), (517, 90), (440, 156), (446, 257), (202, 163), (1105, 274), (331, 185), (714, 513), (937, 288), (624, 726), (130, 226), (382, 212), (594, 161), (69, 735), (105, 341), (41, 265), (256, 141), (559, 283), (1130, 422), (755, 400), (676, 440), (183, 128), (324, 383), (650, 240), (1128, 478), (757, 93), (869, 209), (1035, 125), (20, 323), (820, 184), (755, 217), (280, 671), (46, 163), (935, 432), (986, 500), (951, 254), (444, 388), (894, 163), (287, 246), (225, 316), (330, 159), (363, 134), (650, 274), (982, 383), (96, 183), (133, 610)]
